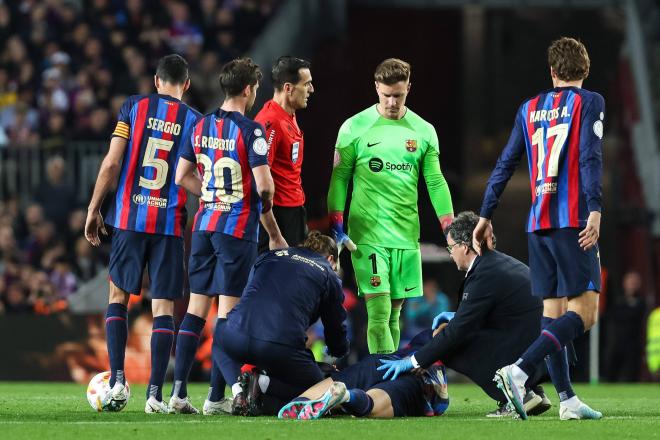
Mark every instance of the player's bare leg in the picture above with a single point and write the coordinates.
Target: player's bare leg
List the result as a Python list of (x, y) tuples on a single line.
[(382, 404), (162, 337), (116, 329), (379, 335)]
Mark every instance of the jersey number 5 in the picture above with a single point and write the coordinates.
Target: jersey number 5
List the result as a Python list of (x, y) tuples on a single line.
[(560, 133), (228, 179), (151, 159)]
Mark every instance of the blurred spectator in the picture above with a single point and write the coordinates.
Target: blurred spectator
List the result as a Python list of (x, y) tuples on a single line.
[(419, 312), (55, 196), (625, 327), (16, 300)]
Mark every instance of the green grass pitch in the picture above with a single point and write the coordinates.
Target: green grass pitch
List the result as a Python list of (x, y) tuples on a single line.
[(60, 411)]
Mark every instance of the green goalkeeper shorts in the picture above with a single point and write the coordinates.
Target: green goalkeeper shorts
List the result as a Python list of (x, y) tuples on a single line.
[(382, 270)]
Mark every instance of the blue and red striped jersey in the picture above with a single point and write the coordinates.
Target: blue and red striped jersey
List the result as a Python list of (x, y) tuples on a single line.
[(147, 199), (226, 146), (561, 129)]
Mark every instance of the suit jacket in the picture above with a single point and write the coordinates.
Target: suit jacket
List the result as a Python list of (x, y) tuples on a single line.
[(497, 308)]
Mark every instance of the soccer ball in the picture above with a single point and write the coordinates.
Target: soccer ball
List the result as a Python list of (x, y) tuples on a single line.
[(98, 389)]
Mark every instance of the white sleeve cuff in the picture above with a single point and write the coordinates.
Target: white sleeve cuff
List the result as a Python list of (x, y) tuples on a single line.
[(414, 361)]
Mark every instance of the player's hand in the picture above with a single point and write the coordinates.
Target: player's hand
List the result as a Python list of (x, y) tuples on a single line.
[(442, 318), (277, 243), (483, 232), (589, 235), (93, 225), (395, 367), (337, 230)]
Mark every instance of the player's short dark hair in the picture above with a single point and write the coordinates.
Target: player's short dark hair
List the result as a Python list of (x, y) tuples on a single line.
[(569, 59), (462, 227), (237, 74), (287, 70), (172, 69), (391, 71), (321, 244)]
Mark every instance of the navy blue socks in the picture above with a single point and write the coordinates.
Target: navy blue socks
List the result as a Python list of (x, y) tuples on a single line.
[(162, 336), (187, 342), (359, 403), (553, 339), (558, 369), (116, 331)]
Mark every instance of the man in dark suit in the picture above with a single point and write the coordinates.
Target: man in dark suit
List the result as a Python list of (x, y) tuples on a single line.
[(496, 319)]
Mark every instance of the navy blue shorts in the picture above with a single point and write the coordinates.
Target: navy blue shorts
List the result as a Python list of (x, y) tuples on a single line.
[(219, 263), (162, 255), (406, 392), (363, 374), (559, 267)]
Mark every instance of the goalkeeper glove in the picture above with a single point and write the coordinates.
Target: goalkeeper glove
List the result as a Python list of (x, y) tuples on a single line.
[(337, 229)]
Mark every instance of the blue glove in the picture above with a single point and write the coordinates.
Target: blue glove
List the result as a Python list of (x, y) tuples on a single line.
[(395, 366), (337, 230), (442, 317)]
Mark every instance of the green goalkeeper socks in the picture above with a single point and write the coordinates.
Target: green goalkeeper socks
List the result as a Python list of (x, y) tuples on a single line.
[(379, 336), (395, 330)]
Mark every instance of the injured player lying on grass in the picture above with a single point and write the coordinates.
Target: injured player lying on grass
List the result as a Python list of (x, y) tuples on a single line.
[(365, 391)]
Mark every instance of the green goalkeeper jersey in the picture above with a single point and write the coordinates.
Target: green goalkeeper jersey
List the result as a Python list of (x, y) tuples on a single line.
[(384, 157)]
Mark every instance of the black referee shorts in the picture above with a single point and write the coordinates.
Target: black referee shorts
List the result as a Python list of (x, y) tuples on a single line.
[(293, 225)]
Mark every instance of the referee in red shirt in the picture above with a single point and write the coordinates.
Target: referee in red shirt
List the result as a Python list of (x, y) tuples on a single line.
[(292, 80)]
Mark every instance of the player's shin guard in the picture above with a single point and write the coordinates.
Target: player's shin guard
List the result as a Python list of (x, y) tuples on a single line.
[(187, 342), (558, 369), (359, 403), (116, 330), (552, 339), (395, 329), (162, 337), (379, 336)]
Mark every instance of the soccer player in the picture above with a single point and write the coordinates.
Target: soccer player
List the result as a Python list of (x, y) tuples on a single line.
[(363, 391), (383, 149), (561, 129), (292, 80), (236, 189), (148, 216)]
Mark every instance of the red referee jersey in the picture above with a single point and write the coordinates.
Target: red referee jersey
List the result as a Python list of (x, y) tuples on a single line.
[(285, 153)]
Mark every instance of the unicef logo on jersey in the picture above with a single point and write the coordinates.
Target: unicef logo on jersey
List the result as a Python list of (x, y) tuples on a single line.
[(139, 199), (375, 164)]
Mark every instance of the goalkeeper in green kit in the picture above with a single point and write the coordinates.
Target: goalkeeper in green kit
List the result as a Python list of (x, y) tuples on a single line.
[(383, 149)]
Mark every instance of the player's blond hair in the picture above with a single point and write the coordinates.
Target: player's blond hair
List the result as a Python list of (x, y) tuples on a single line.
[(391, 71), (569, 59)]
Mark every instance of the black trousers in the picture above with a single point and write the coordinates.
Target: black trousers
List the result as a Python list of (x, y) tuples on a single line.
[(292, 223), (291, 370), (488, 350)]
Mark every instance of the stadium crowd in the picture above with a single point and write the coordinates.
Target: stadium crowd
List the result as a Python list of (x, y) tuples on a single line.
[(66, 66)]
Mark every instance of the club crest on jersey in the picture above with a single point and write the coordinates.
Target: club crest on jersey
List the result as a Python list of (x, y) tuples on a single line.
[(375, 281), (411, 145), (294, 152), (260, 146)]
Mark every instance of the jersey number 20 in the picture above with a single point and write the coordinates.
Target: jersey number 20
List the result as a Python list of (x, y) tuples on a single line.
[(228, 179)]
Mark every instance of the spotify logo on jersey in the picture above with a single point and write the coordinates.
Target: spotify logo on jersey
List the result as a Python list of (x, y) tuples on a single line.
[(375, 164)]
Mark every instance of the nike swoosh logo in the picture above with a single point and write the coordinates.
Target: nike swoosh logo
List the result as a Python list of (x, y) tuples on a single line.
[(408, 289), (369, 145)]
